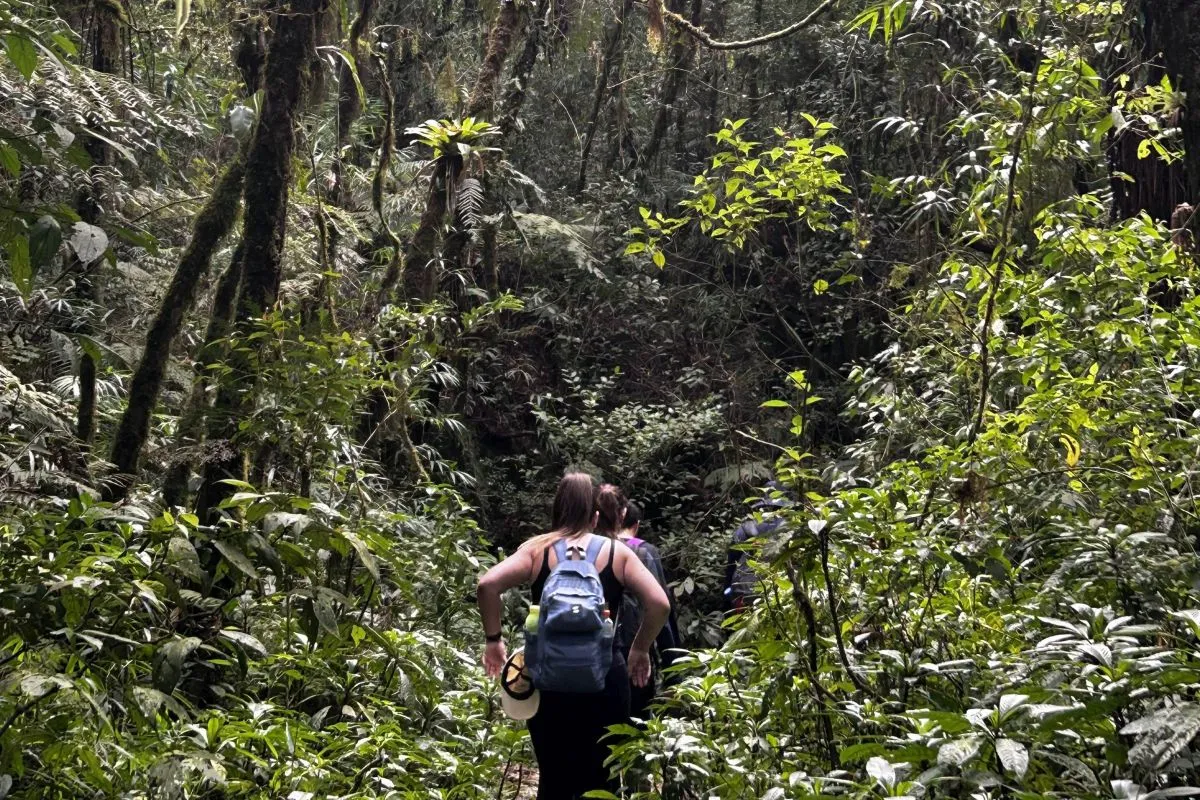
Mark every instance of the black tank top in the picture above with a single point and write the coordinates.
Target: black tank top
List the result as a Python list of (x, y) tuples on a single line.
[(614, 591)]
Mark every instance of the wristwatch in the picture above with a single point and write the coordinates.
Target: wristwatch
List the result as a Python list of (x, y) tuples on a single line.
[(493, 638)]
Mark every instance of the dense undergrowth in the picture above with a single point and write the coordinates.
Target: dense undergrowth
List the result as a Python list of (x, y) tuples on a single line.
[(922, 264)]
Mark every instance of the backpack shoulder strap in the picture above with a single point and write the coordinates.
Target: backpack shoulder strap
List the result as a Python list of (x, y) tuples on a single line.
[(560, 551), (634, 542), (593, 548)]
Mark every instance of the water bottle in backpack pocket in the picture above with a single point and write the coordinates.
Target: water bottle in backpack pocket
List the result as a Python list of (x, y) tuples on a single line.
[(574, 640), (531, 627)]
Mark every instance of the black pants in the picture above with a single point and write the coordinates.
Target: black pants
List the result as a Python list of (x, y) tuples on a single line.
[(566, 734)]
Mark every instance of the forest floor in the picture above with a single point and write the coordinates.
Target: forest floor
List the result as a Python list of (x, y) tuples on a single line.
[(521, 780)]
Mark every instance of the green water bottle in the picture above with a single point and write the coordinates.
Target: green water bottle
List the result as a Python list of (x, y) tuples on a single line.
[(531, 639)]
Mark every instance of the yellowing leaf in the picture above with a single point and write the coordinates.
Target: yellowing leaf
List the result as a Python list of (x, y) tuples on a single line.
[(1073, 450)]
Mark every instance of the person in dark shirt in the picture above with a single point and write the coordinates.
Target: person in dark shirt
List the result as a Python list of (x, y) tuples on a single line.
[(741, 582), (666, 646)]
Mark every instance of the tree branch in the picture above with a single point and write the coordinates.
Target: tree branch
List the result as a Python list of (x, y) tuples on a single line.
[(823, 543), (705, 38), (1001, 255)]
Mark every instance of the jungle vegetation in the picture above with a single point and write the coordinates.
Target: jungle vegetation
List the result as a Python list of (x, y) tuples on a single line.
[(307, 304)]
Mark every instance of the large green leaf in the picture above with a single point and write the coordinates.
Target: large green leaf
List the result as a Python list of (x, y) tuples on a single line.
[(364, 553), (1166, 734), (20, 265), (10, 159), (88, 242), (22, 53), (169, 660), (957, 752), (1013, 756), (237, 558), (44, 241), (182, 555), (246, 641)]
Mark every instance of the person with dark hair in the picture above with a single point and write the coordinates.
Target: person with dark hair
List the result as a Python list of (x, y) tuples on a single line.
[(567, 728), (666, 646), (741, 582)]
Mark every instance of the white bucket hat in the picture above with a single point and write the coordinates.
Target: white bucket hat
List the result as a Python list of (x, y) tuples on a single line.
[(518, 696)]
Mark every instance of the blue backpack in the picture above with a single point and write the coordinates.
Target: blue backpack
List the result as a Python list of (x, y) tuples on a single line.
[(573, 647)]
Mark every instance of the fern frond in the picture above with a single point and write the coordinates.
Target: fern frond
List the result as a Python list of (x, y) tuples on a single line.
[(468, 203)]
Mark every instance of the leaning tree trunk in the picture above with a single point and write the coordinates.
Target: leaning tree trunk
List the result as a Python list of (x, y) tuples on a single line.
[(560, 11), (190, 431), (108, 19), (622, 145), (612, 43), (518, 84), (349, 106), (510, 110), (251, 50), (351, 74), (212, 225), (268, 176), (483, 96), (752, 66), (421, 257), (251, 56), (682, 52)]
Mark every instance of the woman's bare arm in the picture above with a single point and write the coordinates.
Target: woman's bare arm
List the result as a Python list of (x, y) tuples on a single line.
[(509, 573)]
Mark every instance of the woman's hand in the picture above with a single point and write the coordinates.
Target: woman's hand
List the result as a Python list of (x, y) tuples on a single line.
[(639, 667), (494, 656)]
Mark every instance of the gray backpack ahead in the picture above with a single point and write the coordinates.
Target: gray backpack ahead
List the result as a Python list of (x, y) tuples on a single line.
[(573, 647)]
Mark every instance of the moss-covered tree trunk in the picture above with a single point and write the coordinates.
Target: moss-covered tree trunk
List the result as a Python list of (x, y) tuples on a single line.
[(510, 110), (251, 51), (612, 41), (560, 10), (504, 29), (251, 55), (423, 259), (268, 177), (751, 65), (622, 146), (678, 67), (518, 84), (714, 71), (190, 432), (422, 267), (213, 224), (349, 103)]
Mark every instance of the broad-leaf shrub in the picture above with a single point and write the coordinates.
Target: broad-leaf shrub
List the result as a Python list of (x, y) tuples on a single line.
[(292, 652), (659, 455), (991, 593)]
